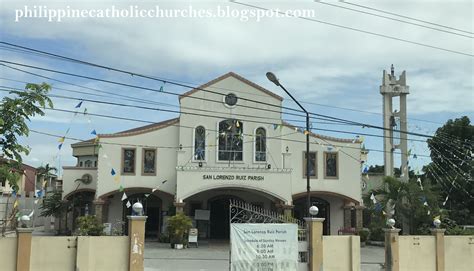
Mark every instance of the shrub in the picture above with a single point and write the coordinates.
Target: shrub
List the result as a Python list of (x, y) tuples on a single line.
[(377, 234), (89, 226), (178, 227), (364, 234)]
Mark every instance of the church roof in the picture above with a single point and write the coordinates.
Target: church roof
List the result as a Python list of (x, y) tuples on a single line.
[(236, 76)]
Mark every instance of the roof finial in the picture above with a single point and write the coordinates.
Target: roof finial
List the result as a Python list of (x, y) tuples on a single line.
[(392, 70)]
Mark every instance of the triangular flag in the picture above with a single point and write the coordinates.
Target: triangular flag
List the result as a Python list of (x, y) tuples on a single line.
[(61, 139), (425, 203), (60, 146), (384, 213), (275, 126), (128, 204), (372, 197), (93, 132), (96, 139), (237, 124), (85, 111), (361, 139), (446, 200), (153, 190), (414, 156), (121, 189), (429, 212), (437, 217), (306, 132), (79, 104), (112, 172), (32, 213), (15, 204), (163, 182), (366, 169), (44, 183), (105, 156), (36, 201), (161, 89), (147, 195), (124, 196)]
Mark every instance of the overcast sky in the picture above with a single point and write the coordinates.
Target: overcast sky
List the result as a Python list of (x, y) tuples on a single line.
[(319, 63)]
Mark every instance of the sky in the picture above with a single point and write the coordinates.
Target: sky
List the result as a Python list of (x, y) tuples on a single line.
[(334, 71)]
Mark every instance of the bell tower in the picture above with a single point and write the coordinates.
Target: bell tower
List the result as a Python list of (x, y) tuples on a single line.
[(395, 121)]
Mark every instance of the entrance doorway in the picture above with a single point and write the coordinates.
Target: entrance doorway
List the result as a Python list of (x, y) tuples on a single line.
[(151, 209), (324, 211), (219, 216)]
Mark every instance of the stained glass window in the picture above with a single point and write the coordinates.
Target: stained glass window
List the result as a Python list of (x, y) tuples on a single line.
[(260, 145), (312, 164), (200, 143), (230, 140), (128, 163)]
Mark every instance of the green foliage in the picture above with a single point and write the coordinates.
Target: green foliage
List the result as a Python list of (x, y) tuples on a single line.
[(404, 200), (14, 113), (453, 167), (364, 234), (53, 205), (45, 172), (164, 238), (89, 226), (9, 171), (178, 227)]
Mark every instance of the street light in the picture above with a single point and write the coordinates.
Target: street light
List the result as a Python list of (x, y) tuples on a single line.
[(274, 80)]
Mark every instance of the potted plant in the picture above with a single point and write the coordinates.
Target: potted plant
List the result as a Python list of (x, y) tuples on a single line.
[(178, 227)]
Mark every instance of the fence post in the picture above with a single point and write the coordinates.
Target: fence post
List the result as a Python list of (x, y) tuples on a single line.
[(315, 242), (392, 260), (23, 253), (439, 239), (136, 233)]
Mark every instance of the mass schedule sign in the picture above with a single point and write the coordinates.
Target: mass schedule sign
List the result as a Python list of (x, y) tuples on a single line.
[(264, 247)]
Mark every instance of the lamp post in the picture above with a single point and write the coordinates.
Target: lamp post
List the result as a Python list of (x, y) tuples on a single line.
[(274, 80)]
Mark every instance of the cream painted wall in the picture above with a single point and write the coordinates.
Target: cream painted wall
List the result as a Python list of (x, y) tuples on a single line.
[(95, 253), (71, 174), (53, 253), (165, 161), (8, 248), (341, 253), (459, 253), (348, 182), (417, 253)]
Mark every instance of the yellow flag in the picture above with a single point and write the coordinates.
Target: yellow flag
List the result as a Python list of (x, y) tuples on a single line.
[(437, 217), (15, 204), (44, 184), (306, 132), (117, 178), (61, 139)]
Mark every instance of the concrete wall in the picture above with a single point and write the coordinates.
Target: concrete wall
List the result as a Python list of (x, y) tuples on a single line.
[(341, 253), (53, 253), (459, 253), (8, 247), (103, 253), (417, 253)]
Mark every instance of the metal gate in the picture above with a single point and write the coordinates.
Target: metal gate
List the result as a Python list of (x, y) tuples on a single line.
[(243, 212)]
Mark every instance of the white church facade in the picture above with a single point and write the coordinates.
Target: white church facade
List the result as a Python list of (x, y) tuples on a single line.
[(229, 142)]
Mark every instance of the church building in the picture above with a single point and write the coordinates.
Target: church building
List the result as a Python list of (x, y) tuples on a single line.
[(229, 142)]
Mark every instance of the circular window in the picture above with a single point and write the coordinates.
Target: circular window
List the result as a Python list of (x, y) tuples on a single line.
[(86, 179), (230, 99)]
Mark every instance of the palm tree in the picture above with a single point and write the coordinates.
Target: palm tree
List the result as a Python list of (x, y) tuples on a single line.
[(46, 172)]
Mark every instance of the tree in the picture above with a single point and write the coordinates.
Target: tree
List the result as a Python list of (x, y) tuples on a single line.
[(404, 200), (452, 167), (45, 172), (15, 112)]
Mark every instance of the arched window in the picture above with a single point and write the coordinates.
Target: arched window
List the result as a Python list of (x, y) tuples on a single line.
[(230, 140), (200, 143), (260, 145)]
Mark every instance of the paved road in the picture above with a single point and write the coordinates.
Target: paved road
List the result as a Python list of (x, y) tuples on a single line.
[(215, 257)]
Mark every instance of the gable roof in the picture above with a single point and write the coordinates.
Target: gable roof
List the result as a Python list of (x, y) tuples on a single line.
[(323, 137), (130, 132), (236, 76), (143, 129)]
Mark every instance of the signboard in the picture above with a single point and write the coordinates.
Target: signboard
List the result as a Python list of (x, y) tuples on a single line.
[(202, 214), (233, 177), (264, 247), (193, 235)]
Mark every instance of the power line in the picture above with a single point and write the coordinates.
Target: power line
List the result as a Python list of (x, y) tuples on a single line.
[(361, 30), (45, 54), (393, 19), (215, 116), (406, 17), (155, 90)]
